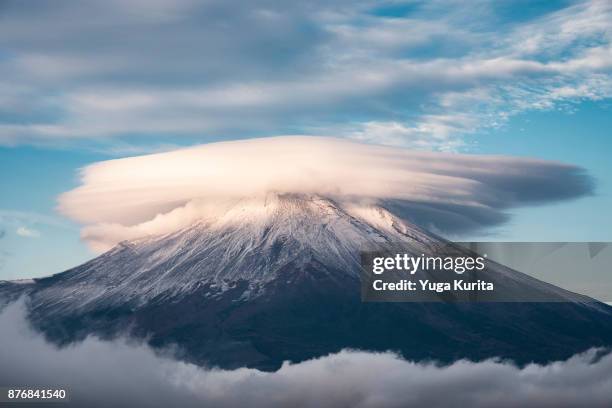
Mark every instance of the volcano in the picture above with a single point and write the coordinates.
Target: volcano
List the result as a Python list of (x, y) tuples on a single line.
[(268, 279)]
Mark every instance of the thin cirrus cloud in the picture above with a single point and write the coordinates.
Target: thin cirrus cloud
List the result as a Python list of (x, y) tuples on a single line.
[(423, 77), (123, 373), (27, 232), (159, 193)]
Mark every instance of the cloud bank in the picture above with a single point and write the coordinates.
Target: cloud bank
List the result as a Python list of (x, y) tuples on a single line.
[(100, 373), (159, 193)]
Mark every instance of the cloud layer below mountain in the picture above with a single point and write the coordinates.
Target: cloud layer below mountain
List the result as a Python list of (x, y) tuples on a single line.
[(102, 373), (159, 193)]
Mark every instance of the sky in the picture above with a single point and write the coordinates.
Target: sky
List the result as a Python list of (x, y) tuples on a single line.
[(90, 81)]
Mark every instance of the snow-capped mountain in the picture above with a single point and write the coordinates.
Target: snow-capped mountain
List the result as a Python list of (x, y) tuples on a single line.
[(261, 280), (250, 240)]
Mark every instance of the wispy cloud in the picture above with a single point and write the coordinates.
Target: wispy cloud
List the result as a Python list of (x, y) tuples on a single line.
[(422, 78), (16, 217), (27, 232)]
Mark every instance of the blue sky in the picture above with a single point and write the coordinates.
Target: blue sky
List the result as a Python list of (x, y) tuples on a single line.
[(87, 81)]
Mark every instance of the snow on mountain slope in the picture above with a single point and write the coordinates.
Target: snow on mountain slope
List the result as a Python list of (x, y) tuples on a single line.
[(248, 240), (258, 281)]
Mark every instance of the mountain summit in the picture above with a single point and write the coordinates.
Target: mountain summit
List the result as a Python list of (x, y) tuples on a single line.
[(259, 281)]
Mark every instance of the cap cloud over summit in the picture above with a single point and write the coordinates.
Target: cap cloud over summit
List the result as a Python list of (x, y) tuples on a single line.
[(447, 192)]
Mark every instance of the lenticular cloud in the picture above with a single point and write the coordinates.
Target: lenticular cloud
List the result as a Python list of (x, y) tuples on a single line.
[(136, 196)]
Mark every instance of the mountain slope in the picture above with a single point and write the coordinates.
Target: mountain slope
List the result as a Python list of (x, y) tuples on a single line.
[(262, 280)]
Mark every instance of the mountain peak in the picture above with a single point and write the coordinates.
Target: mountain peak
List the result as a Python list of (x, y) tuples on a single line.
[(251, 279), (250, 240)]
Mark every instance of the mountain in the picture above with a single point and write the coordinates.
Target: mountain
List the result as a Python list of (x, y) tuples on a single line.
[(263, 280)]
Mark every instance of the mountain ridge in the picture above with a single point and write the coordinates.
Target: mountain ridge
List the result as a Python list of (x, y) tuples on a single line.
[(276, 277)]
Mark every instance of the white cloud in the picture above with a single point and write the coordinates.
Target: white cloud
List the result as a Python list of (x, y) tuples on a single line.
[(159, 193), (27, 232), (185, 73), (434, 132), (123, 373)]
